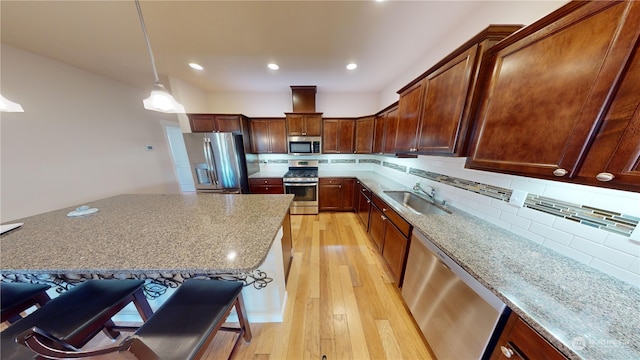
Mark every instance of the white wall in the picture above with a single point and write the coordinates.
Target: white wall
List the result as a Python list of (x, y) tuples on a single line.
[(276, 104), (82, 137)]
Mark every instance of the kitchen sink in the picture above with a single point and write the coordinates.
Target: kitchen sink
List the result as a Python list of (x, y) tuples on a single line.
[(416, 203)]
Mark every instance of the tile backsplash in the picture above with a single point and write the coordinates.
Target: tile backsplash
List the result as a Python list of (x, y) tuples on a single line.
[(589, 224)]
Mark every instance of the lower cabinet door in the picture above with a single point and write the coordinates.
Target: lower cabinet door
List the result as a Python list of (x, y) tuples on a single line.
[(394, 251), (377, 224)]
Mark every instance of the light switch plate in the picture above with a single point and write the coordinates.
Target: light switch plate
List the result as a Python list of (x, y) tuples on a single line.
[(518, 197), (635, 235)]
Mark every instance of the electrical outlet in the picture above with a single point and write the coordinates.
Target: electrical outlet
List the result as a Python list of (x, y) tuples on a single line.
[(517, 198)]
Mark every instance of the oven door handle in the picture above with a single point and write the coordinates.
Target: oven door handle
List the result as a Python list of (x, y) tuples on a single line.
[(301, 184)]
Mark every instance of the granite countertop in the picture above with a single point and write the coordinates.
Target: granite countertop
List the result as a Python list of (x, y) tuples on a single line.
[(191, 233), (583, 312)]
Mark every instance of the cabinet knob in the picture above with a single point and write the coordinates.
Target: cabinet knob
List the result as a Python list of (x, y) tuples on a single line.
[(339, 186), (384, 209), (368, 201), (267, 189), (384, 218), (265, 181), (506, 352), (605, 176), (560, 172)]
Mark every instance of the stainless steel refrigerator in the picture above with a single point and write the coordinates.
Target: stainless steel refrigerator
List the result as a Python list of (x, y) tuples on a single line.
[(219, 163)]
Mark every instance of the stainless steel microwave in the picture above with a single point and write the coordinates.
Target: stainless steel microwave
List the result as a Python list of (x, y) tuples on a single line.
[(304, 145)]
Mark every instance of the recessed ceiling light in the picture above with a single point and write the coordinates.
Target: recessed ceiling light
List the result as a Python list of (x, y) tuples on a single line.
[(352, 66), (273, 66), (196, 66)]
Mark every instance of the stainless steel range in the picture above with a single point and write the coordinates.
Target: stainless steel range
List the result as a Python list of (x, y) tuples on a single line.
[(302, 181)]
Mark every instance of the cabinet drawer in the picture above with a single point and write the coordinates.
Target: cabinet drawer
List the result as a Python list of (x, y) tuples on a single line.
[(265, 181), (330, 181), (394, 217), (267, 189)]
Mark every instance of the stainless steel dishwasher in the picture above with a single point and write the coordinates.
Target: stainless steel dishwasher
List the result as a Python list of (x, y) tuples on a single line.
[(456, 314)]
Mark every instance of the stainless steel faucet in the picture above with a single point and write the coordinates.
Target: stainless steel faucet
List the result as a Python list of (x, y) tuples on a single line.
[(432, 194)]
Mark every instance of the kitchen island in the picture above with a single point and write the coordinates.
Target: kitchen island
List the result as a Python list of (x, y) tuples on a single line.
[(161, 237)]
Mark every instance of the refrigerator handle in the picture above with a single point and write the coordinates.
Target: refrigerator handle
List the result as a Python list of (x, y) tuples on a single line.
[(208, 151), (207, 160)]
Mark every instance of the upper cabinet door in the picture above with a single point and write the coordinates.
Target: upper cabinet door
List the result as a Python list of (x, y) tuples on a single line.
[(409, 109), (338, 136), (550, 87), (228, 123), (364, 135), (445, 102), (202, 122), (304, 124)]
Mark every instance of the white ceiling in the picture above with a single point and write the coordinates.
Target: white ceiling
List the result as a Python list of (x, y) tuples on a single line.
[(312, 41)]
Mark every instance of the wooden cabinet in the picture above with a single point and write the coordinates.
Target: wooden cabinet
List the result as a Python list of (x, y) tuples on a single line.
[(215, 123), (266, 186), (364, 135), (299, 124), (409, 111), (390, 233), (363, 204), (435, 110), (268, 136), (520, 341), (335, 194), (385, 130), (337, 136), (562, 96)]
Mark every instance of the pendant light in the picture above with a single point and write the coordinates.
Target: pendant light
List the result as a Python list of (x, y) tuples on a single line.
[(160, 99), (7, 105)]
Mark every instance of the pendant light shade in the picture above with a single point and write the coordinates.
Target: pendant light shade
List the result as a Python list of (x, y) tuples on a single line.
[(160, 99), (9, 106)]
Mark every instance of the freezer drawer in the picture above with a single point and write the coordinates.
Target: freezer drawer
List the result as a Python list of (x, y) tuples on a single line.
[(456, 314)]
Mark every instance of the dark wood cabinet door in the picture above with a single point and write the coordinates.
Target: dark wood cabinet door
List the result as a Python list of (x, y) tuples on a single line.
[(313, 125), (228, 123), (346, 132), (348, 190), (409, 111), (295, 125), (260, 142), (378, 134), (550, 87), (363, 205), (330, 132), (304, 124), (390, 131), (364, 135), (625, 161), (394, 251), (330, 194), (278, 136), (519, 341), (202, 122), (444, 105), (377, 224)]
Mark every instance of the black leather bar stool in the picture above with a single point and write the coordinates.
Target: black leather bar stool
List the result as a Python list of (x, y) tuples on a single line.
[(18, 297), (76, 316), (182, 328)]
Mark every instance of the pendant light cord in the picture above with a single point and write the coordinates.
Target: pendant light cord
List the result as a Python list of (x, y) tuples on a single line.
[(146, 38)]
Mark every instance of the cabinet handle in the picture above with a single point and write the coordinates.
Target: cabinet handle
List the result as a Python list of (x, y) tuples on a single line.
[(506, 352), (560, 172), (605, 176), (384, 209), (384, 218)]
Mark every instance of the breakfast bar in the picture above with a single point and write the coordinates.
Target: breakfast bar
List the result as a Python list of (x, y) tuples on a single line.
[(162, 237)]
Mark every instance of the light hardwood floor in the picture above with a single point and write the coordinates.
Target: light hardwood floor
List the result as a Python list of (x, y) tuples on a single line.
[(341, 303)]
